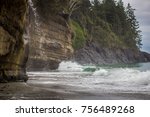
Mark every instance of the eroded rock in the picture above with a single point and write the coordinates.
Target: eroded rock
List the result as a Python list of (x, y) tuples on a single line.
[(12, 46), (50, 37)]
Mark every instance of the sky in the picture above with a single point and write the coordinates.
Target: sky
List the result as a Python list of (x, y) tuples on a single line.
[(142, 13)]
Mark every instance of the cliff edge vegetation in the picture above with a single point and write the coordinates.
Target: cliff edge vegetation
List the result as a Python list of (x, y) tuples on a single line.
[(106, 32), (109, 23)]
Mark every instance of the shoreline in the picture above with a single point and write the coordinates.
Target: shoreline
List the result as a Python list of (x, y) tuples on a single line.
[(27, 91)]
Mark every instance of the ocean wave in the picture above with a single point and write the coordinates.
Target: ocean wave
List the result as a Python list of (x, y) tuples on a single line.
[(100, 72), (70, 66)]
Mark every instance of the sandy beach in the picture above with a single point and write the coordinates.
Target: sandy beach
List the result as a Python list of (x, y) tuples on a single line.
[(31, 91)]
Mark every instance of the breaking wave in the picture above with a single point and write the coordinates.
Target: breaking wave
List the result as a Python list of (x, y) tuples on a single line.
[(99, 78), (70, 66)]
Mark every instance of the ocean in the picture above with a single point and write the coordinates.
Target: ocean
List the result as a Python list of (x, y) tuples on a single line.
[(75, 81)]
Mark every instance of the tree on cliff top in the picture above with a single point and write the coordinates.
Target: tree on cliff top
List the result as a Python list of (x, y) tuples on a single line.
[(109, 17), (133, 26)]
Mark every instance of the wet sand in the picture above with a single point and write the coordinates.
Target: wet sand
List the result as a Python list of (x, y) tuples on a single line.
[(34, 91), (23, 91)]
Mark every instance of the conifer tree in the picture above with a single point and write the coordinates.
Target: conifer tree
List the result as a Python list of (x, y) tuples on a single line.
[(133, 26), (108, 16)]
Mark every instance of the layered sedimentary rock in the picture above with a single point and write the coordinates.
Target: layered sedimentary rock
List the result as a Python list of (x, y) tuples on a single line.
[(13, 54), (94, 54), (50, 39)]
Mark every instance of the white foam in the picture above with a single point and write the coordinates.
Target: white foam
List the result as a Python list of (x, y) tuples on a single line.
[(70, 66), (120, 79), (101, 72), (123, 79)]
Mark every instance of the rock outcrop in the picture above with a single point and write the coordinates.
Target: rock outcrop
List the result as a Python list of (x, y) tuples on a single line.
[(13, 52), (146, 56), (94, 54), (50, 38)]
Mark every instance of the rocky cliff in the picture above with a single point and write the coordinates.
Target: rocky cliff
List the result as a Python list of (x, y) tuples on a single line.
[(12, 44), (94, 54), (50, 37)]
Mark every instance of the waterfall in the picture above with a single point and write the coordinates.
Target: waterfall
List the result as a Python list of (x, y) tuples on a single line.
[(37, 22), (31, 4)]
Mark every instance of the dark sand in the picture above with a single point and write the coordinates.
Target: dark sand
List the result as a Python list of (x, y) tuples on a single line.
[(31, 91)]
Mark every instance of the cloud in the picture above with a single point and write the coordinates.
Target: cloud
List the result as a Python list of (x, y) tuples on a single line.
[(143, 16), (145, 29)]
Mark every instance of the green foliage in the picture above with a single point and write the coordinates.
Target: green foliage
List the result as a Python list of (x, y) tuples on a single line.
[(109, 23), (47, 8), (104, 21), (106, 38), (79, 35), (133, 26)]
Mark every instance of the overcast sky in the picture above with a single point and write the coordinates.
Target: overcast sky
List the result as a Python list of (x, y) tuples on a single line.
[(143, 16)]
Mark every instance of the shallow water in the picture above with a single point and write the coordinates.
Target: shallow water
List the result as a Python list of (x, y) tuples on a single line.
[(93, 82)]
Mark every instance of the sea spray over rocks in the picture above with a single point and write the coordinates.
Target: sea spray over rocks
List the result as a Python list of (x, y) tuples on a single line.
[(70, 66), (100, 72), (108, 77), (113, 82)]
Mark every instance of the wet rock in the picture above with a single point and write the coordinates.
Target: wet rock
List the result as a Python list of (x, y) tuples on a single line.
[(146, 56), (12, 46), (50, 38)]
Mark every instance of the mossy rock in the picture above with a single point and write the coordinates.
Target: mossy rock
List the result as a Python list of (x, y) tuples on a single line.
[(13, 54), (79, 39)]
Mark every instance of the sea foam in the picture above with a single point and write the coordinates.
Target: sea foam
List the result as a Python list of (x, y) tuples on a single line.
[(70, 66)]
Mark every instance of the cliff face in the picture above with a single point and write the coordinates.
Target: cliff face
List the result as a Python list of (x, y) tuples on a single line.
[(50, 39), (94, 54), (12, 45)]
